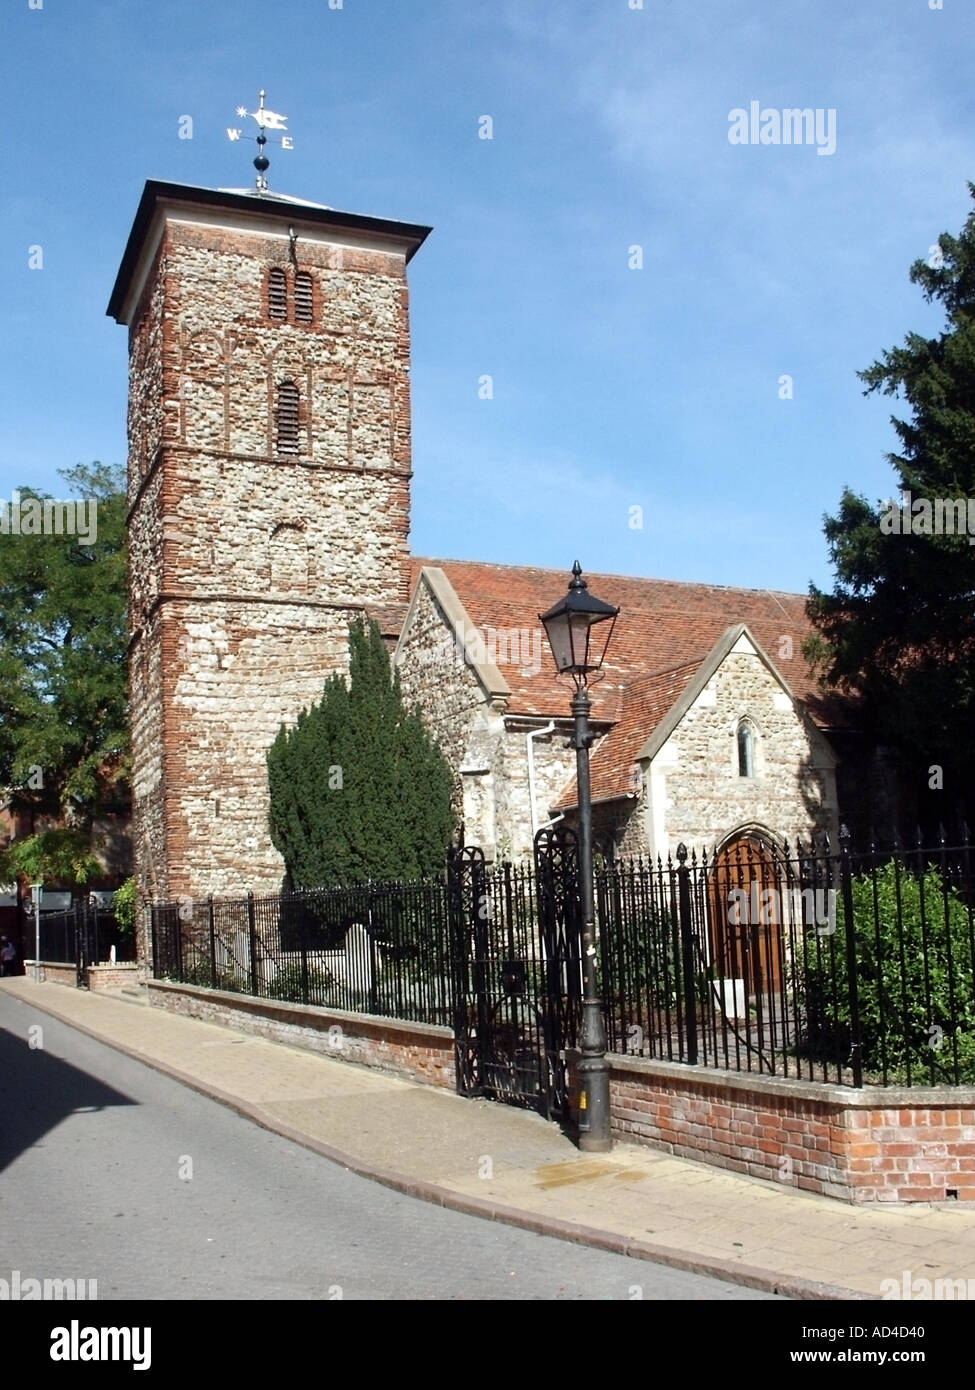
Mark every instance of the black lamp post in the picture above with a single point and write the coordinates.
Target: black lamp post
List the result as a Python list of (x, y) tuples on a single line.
[(570, 627)]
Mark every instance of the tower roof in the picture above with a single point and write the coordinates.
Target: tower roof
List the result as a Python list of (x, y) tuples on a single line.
[(161, 199)]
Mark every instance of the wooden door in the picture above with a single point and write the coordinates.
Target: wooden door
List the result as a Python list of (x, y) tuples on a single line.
[(746, 916)]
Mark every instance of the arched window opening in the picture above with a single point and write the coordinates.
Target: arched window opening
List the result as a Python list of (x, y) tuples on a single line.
[(746, 750), (304, 297), (277, 294), (288, 560), (286, 418)]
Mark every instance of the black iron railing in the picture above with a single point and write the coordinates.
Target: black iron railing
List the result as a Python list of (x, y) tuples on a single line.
[(373, 948), (813, 962), (82, 935)]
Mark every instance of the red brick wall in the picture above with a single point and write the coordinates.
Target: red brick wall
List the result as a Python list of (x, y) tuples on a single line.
[(825, 1139), (828, 1139), (415, 1051), (111, 976), (915, 1154), (96, 976), (54, 974)]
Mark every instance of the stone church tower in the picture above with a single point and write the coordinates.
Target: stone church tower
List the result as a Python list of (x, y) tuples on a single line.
[(268, 487)]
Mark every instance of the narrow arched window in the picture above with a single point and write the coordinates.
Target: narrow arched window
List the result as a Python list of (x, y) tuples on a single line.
[(746, 751), (286, 418), (277, 294), (304, 297)]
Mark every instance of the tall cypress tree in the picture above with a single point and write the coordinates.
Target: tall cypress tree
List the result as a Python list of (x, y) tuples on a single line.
[(358, 790)]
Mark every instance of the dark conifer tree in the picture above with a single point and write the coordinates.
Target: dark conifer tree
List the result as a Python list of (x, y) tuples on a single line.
[(898, 630), (358, 789)]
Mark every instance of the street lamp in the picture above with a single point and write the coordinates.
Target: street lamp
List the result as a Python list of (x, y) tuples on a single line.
[(579, 652)]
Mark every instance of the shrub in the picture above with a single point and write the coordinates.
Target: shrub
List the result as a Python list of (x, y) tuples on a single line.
[(913, 955), (288, 984), (124, 906), (194, 972)]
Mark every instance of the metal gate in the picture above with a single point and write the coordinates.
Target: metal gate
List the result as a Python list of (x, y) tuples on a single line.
[(516, 973), (82, 935)]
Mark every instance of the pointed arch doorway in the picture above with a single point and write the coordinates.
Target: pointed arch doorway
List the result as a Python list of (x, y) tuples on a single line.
[(747, 898)]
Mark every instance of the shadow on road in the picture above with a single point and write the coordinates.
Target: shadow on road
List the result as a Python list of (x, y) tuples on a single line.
[(38, 1091)]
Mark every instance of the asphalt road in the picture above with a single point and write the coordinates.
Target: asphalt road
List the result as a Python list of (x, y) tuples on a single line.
[(111, 1171)]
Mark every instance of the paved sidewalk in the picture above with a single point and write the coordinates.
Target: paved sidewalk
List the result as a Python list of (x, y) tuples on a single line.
[(510, 1165)]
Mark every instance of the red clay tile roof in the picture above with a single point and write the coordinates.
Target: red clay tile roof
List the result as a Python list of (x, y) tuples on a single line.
[(645, 702), (663, 625)]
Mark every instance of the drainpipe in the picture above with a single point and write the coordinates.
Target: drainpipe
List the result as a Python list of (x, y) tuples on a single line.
[(535, 733)]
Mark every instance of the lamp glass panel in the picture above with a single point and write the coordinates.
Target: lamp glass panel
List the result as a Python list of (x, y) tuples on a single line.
[(560, 640)]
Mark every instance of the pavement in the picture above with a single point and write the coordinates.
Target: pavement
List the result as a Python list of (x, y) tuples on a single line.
[(510, 1165)]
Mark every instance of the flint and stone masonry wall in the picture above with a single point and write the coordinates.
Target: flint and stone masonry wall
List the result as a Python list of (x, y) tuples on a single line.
[(246, 565), (484, 745), (692, 790), (695, 793), (555, 763), (434, 675)]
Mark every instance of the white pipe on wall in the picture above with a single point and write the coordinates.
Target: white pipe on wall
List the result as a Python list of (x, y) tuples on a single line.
[(534, 733)]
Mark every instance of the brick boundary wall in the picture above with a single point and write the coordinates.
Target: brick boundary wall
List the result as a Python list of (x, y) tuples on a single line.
[(53, 973), (116, 976), (870, 1145), (415, 1051), (96, 976), (891, 1145)]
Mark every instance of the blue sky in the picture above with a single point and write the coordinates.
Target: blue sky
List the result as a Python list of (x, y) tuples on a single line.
[(614, 387)]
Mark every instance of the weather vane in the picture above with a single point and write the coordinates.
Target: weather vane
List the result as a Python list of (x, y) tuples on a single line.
[(266, 120)]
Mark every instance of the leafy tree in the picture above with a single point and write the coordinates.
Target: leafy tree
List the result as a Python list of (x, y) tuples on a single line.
[(358, 790), (63, 696), (898, 630), (63, 854), (124, 906)]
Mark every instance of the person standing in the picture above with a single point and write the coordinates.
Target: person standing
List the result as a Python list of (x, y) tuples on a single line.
[(8, 956)]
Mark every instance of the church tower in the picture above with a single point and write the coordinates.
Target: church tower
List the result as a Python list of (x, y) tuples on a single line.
[(268, 489)]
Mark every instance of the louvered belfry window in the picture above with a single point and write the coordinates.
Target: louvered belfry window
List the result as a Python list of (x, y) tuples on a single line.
[(286, 418), (277, 294), (302, 307), (303, 297)]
